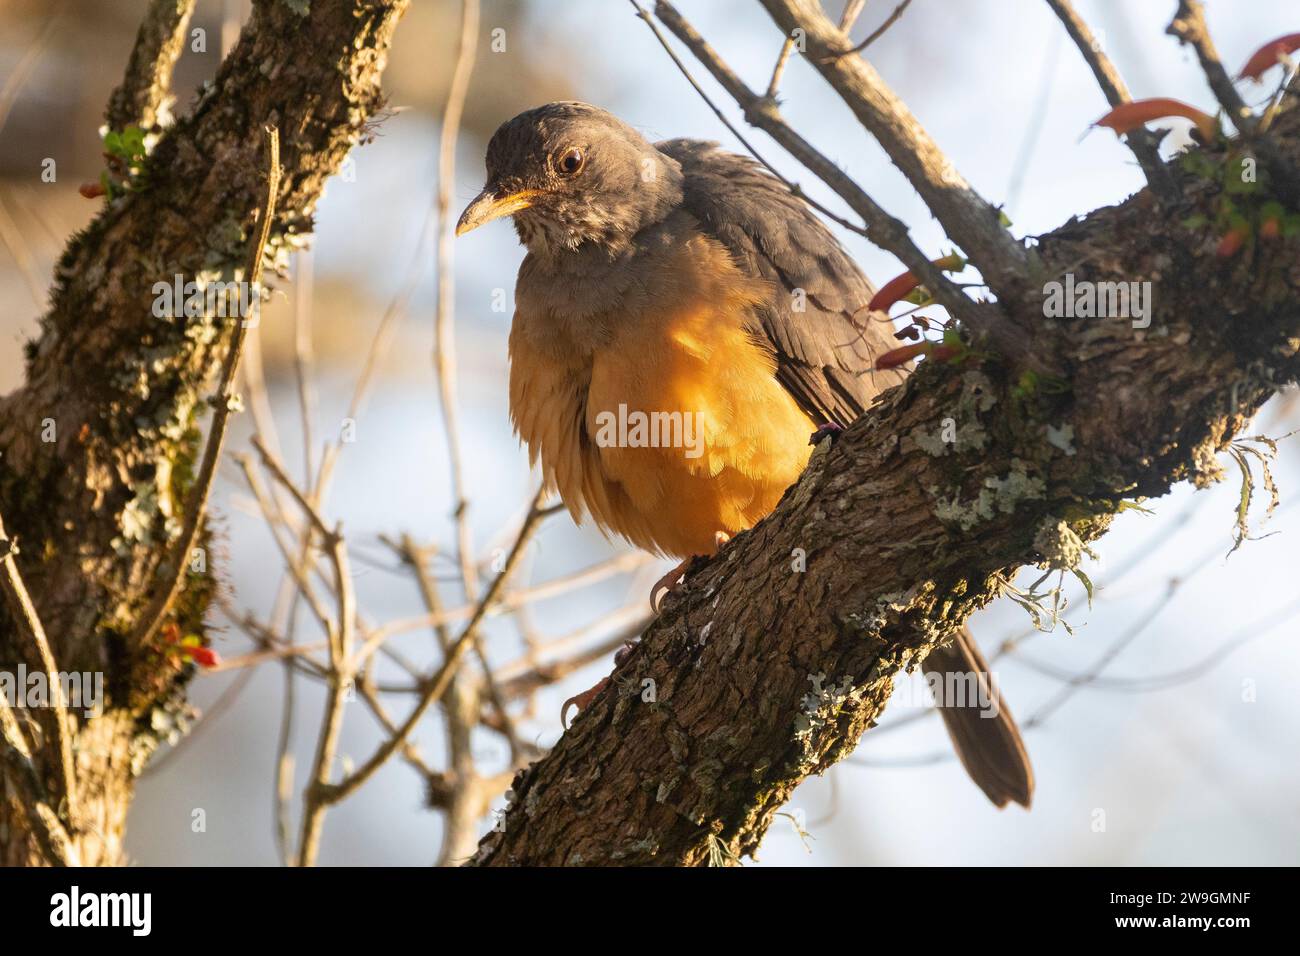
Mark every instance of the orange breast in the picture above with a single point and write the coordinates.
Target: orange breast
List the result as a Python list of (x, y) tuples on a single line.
[(672, 429)]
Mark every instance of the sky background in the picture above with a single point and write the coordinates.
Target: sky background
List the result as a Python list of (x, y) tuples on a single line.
[(1186, 742)]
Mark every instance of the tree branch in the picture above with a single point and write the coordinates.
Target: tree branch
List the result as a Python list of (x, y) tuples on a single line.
[(1190, 28), (143, 98), (101, 444), (223, 404)]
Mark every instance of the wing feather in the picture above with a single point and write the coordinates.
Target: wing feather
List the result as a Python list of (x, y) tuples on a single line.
[(817, 326)]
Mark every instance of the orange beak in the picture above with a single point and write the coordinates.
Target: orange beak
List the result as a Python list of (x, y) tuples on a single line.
[(487, 206)]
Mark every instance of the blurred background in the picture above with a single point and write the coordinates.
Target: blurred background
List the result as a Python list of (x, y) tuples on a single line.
[(1164, 730)]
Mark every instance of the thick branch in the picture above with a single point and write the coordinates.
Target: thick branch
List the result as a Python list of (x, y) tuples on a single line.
[(100, 443), (145, 94)]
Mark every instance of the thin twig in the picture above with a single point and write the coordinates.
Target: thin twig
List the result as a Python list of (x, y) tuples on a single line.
[(968, 219), (444, 353), (22, 610), (877, 34), (433, 602), (670, 17), (852, 10), (1142, 141), (54, 840), (781, 60), (330, 794), (197, 499), (303, 359), (1189, 27)]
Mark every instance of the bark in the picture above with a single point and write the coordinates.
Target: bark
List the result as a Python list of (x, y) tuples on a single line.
[(121, 392), (763, 674), (144, 98)]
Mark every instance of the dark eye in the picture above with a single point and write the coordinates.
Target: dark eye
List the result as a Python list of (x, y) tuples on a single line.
[(571, 162)]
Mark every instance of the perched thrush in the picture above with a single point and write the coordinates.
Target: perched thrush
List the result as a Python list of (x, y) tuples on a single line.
[(682, 323)]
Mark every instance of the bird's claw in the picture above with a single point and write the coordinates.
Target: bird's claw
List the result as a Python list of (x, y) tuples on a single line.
[(665, 584), (829, 430), (581, 701)]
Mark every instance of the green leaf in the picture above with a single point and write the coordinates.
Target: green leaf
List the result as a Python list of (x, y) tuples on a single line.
[(133, 142), (1243, 503), (1087, 584)]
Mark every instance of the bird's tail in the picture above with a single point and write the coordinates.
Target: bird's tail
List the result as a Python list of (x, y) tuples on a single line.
[(983, 731)]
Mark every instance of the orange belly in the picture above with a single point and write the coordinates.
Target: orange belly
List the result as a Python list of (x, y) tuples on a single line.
[(674, 428)]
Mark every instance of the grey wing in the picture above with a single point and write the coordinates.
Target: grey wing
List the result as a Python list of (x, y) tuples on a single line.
[(823, 338)]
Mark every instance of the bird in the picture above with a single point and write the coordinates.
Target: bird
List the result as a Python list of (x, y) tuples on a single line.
[(683, 323)]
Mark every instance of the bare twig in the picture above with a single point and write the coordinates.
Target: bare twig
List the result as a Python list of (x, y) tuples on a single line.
[(1189, 27), (303, 358), (781, 60), (15, 81), (669, 15), (876, 34), (54, 840), (433, 602), (330, 794), (1142, 141), (852, 10), (444, 353), (16, 243), (196, 501), (23, 610), (296, 568), (10, 235), (340, 674)]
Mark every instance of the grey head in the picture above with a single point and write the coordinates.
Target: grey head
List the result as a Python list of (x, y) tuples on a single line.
[(571, 174)]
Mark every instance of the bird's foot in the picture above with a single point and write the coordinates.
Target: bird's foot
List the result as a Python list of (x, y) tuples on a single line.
[(581, 701), (673, 578), (666, 584), (829, 430)]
